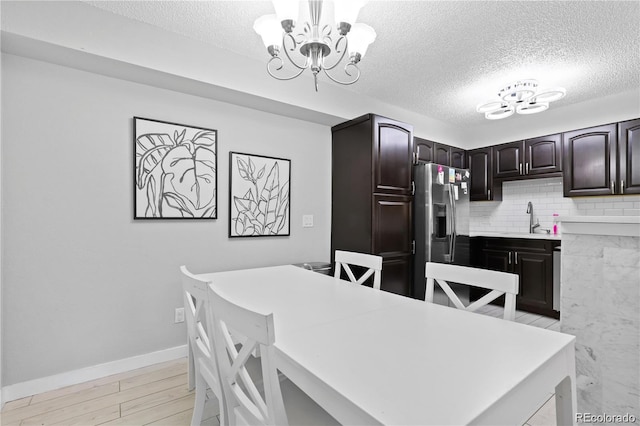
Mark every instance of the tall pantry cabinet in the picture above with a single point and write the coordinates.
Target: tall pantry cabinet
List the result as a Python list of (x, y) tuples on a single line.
[(372, 198)]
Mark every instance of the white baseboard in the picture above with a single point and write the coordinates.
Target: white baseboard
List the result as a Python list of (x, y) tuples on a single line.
[(57, 381)]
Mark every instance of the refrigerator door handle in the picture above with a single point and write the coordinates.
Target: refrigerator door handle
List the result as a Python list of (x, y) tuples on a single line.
[(452, 239)]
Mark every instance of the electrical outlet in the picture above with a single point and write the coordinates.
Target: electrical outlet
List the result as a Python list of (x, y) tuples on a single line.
[(179, 316), (307, 221)]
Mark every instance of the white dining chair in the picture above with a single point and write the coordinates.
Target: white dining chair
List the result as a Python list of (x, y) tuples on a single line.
[(498, 282), (202, 356), (372, 262), (258, 402)]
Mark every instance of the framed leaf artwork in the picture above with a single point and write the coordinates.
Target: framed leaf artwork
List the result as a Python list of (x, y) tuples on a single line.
[(175, 171), (259, 195)]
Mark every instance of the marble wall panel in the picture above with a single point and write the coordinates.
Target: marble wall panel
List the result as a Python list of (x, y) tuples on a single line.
[(600, 305)]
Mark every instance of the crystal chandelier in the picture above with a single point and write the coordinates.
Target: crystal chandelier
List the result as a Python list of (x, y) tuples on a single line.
[(522, 97), (312, 47)]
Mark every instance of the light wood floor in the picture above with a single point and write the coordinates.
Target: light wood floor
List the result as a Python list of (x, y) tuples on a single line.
[(523, 317), (158, 395), (155, 395)]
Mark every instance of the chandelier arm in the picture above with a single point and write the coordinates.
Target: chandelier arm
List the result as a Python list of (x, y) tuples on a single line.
[(345, 83), (344, 52), (272, 74), (286, 52)]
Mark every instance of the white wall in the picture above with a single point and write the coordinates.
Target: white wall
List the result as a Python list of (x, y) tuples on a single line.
[(83, 283), (509, 215)]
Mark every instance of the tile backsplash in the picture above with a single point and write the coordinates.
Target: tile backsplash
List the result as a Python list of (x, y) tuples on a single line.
[(509, 215)]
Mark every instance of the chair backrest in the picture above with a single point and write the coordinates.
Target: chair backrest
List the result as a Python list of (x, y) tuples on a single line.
[(198, 316), (498, 282), (245, 405), (370, 261)]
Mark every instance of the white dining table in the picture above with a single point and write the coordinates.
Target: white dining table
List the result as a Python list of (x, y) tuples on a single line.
[(371, 357)]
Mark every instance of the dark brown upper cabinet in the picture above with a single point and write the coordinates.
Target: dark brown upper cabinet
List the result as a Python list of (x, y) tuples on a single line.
[(393, 155), (480, 162), (629, 156), (543, 155), (458, 158), (590, 166), (432, 152), (371, 208), (537, 157), (424, 149), (508, 160), (442, 154)]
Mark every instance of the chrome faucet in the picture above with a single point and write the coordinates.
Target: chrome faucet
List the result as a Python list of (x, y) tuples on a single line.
[(530, 213)]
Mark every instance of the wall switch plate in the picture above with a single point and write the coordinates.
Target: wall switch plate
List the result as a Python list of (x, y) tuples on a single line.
[(307, 221), (179, 315)]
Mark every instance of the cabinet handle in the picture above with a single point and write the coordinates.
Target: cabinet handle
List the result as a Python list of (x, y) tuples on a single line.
[(509, 258), (613, 186), (516, 258), (520, 168), (526, 169), (621, 186), (488, 194)]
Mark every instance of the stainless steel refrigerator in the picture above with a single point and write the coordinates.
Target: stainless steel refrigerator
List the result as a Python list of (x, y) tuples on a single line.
[(441, 222)]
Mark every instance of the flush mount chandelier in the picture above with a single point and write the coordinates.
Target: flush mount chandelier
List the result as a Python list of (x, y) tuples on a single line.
[(522, 97), (312, 48)]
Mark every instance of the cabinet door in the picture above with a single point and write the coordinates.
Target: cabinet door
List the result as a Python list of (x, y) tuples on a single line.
[(543, 155), (423, 149), (508, 161), (396, 275), (629, 151), (589, 157), (480, 167), (497, 260), (442, 154), (536, 282), (458, 158), (393, 155), (392, 239)]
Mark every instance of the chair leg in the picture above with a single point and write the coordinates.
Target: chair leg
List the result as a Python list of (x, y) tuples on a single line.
[(201, 396)]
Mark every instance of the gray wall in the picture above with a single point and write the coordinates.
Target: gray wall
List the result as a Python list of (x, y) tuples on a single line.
[(83, 283)]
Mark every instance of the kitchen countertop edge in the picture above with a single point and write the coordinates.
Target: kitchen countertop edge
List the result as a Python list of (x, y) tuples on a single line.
[(622, 226), (522, 235)]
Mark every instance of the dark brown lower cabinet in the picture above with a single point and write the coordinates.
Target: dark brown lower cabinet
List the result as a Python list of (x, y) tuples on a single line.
[(536, 282), (392, 239), (396, 274), (531, 260)]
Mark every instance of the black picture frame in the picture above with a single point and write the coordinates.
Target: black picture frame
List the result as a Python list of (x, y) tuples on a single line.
[(259, 196), (175, 171)]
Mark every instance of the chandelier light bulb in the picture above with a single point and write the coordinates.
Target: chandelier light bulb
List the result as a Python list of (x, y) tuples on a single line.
[(360, 37), (268, 27), (522, 97)]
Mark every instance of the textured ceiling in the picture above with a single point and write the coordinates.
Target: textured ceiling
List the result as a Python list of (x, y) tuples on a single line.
[(442, 58)]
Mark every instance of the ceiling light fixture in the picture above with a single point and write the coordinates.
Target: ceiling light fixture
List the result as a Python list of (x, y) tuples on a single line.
[(313, 44), (521, 97)]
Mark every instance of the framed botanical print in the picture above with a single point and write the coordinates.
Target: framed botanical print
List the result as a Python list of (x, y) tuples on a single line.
[(175, 169), (259, 195)]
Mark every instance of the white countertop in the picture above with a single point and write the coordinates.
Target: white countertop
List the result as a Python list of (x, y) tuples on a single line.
[(536, 236)]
